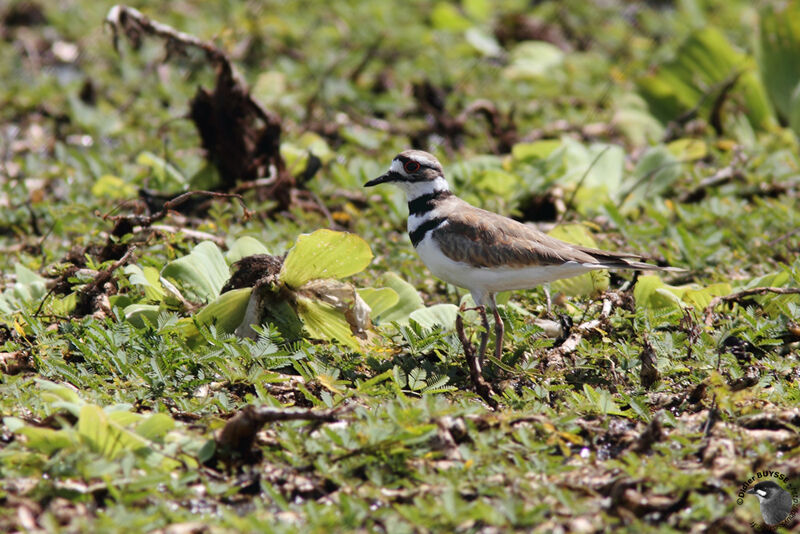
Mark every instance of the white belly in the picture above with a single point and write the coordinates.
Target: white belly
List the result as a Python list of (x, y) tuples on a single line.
[(493, 280)]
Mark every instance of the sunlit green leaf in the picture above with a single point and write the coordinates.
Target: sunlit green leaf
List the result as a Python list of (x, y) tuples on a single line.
[(155, 427), (225, 313), (687, 149), (652, 293), (324, 254), (323, 321), (379, 300), (148, 278), (535, 150), (165, 176), (777, 49), (533, 59), (44, 440), (446, 16), (408, 300), (443, 315), (111, 186)]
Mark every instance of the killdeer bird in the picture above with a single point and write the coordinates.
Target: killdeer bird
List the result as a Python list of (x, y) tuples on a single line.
[(775, 502), (482, 251)]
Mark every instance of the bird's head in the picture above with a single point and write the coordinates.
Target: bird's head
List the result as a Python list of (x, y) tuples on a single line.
[(765, 490), (414, 171)]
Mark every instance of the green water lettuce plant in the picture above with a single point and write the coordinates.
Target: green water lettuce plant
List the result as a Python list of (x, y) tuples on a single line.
[(301, 294)]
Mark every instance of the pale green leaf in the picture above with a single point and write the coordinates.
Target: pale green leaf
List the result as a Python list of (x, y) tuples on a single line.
[(110, 186), (483, 42), (688, 149), (141, 315), (446, 16), (148, 278), (155, 427), (225, 313), (324, 254), (652, 293), (200, 274), (165, 176), (408, 300), (243, 247), (443, 315), (44, 440), (700, 298), (532, 60), (379, 300), (535, 150), (53, 392), (323, 321)]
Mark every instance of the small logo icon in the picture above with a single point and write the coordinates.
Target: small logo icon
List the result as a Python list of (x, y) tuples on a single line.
[(777, 497)]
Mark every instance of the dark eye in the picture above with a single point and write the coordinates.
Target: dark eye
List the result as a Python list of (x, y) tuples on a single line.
[(411, 166)]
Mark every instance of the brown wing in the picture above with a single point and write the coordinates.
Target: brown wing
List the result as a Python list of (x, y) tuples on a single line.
[(487, 239)]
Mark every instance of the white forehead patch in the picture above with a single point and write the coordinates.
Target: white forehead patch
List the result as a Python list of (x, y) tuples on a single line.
[(425, 161), (397, 165)]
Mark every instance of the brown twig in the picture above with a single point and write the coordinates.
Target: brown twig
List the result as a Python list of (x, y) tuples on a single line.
[(787, 235), (237, 436), (739, 295), (134, 24), (147, 220), (196, 235), (722, 176), (91, 290)]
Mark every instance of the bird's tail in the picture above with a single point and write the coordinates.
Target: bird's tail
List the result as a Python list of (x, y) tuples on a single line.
[(642, 266)]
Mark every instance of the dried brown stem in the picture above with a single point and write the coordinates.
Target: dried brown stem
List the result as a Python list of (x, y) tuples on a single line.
[(133, 23), (237, 436), (90, 291), (482, 387), (739, 295), (147, 220)]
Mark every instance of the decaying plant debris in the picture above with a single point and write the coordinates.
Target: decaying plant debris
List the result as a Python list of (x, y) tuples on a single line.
[(240, 138)]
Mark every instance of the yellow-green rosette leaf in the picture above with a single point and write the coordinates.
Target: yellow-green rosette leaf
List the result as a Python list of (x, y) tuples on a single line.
[(201, 274), (408, 300), (323, 321), (379, 300), (225, 313), (651, 293), (243, 247), (148, 278), (324, 254)]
